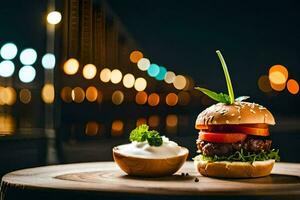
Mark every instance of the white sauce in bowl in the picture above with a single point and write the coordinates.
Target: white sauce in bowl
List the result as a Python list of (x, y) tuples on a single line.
[(144, 150)]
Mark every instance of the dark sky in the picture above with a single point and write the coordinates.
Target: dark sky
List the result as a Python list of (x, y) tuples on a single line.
[(183, 36), (252, 35)]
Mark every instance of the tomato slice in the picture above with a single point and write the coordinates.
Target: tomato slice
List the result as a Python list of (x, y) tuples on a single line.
[(222, 137), (250, 129)]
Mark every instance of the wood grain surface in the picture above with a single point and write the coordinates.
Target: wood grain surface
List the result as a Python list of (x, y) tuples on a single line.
[(107, 177)]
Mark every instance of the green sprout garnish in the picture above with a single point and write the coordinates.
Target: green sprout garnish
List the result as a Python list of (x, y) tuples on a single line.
[(142, 133), (221, 97)]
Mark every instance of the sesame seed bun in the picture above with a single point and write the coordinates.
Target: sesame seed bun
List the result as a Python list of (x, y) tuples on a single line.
[(225, 169), (237, 113)]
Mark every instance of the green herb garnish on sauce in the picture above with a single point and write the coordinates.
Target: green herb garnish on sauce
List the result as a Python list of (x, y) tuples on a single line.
[(142, 133)]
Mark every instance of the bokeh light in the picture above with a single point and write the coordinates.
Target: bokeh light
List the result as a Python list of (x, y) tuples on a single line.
[(170, 77), (105, 75), (28, 56), (27, 74), (7, 124), (7, 68), (141, 121), (66, 94), (281, 69), (172, 120), (48, 93), (143, 64), (8, 51), (117, 128), (7, 96), (278, 87), (293, 86), (54, 17), (71, 66), (162, 74), (135, 56), (140, 84), (153, 99), (25, 96), (277, 77), (141, 98), (128, 81), (153, 70), (78, 95), (264, 83), (100, 97), (89, 71), (184, 98), (179, 82), (91, 94), (48, 61), (116, 76), (91, 128), (117, 97), (171, 99), (153, 121)]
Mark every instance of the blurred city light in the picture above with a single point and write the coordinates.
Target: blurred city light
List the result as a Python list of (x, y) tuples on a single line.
[(25, 96), (8, 51), (78, 95), (27, 74), (172, 120), (281, 69), (141, 121), (91, 94), (128, 81), (105, 75), (278, 87), (153, 70), (264, 84), (153, 121), (293, 86), (116, 76), (170, 77), (48, 93), (100, 96), (54, 17), (184, 98), (7, 96), (140, 84), (117, 127), (277, 77), (7, 68), (153, 99), (71, 66), (141, 98), (171, 99), (28, 56), (135, 56), (179, 82), (143, 64), (7, 124), (89, 71), (66, 94), (117, 97), (48, 61), (162, 74), (91, 128)]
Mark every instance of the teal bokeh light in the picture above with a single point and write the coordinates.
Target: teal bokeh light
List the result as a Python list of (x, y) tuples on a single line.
[(153, 70), (162, 73)]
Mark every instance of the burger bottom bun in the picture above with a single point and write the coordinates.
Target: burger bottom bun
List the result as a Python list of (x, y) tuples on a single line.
[(225, 169)]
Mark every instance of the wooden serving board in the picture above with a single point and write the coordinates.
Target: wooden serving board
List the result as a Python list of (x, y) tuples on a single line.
[(103, 177)]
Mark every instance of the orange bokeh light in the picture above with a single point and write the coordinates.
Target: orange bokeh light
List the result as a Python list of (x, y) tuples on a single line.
[(277, 87), (91, 128), (153, 121), (141, 98), (153, 99), (281, 69), (91, 94), (171, 99), (135, 56), (293, 86), (141, 121), (117, 128), (264, 83)]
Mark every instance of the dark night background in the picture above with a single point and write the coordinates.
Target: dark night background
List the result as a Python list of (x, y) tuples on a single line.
[(182, 36)]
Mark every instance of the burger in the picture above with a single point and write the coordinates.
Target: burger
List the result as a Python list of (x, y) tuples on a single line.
[(234, 139)]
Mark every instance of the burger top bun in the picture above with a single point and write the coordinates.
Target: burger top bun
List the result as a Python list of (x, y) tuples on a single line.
[(236, 113)]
